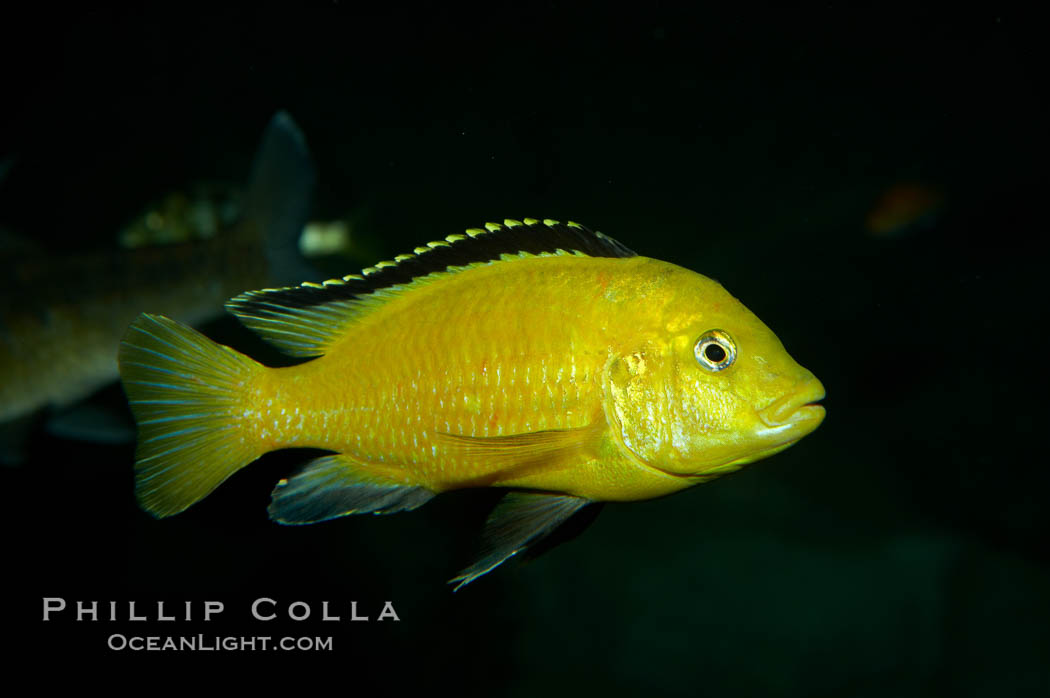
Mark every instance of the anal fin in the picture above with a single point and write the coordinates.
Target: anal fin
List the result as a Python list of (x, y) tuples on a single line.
[(518, 521), (337, 485)]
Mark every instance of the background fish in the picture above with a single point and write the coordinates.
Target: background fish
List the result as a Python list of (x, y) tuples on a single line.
[(203, 212), (536, 356), (61, 318)]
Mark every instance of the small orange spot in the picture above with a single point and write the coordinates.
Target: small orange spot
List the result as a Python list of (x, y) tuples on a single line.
[(902, 209)]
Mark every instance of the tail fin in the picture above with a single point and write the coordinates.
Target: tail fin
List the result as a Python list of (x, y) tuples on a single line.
[(187, 395)]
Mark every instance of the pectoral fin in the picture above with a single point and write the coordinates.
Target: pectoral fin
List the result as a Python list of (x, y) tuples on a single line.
[(337, 485), (518, 521), (516, 455)]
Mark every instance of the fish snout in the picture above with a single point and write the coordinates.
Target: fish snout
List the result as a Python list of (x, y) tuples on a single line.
[(796, 407)]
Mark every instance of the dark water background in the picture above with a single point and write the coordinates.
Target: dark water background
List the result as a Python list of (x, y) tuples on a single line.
[(899, 550)]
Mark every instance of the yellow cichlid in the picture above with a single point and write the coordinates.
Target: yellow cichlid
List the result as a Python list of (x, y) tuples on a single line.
[(531, 355)]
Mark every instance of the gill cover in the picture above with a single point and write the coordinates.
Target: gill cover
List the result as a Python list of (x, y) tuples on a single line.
[(636, 403)]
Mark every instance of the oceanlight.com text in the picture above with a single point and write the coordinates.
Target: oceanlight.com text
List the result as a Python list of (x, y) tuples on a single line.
[(216, 643)]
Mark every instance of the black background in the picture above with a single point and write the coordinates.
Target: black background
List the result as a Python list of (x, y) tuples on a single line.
[(899, 550)]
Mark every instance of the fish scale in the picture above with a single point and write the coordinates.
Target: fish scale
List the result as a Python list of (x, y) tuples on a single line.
[(389, 397)]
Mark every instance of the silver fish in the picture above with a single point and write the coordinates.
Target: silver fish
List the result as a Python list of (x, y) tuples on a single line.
[(61, 319)]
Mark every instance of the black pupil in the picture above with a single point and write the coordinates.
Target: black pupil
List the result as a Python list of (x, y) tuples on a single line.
[(714, 353)]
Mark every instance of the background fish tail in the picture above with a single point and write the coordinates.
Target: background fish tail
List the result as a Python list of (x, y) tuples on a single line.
[(187, 394)]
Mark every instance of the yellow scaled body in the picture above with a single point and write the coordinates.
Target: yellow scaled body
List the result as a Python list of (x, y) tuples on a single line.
[(587, 378)]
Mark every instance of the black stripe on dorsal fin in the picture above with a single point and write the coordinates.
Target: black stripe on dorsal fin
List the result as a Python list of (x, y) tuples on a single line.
[(303, 320), (473, 246)]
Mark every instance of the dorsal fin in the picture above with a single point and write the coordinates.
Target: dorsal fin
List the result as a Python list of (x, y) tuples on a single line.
[(304, 320), (277, 202)]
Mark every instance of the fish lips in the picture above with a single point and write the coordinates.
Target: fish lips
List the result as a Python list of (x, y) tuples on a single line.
[(795, 414)]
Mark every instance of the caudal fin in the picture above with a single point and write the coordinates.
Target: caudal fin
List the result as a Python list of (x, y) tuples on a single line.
[(187, 395)]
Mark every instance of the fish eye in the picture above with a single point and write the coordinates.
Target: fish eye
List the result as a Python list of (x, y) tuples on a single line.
[(715, 350)]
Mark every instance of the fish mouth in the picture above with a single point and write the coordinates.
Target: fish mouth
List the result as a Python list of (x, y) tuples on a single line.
[(796, 411)]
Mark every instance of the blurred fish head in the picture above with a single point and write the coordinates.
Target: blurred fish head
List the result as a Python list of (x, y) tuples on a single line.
[(707, 387)]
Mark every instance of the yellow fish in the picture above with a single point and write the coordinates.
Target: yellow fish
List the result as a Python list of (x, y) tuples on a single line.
[(532, 355)]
